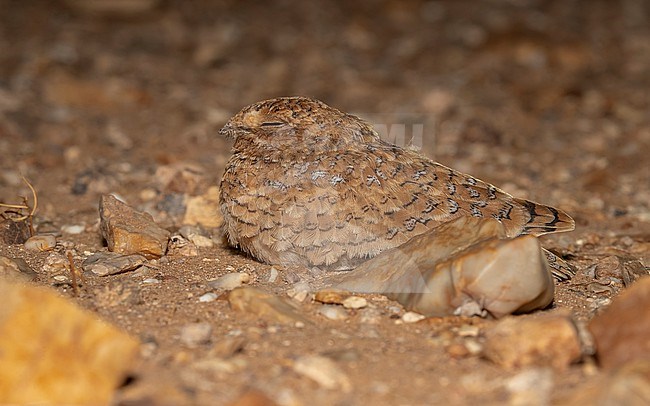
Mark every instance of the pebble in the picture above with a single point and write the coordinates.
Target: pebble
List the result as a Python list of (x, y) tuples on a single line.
[(546, 340), (196, 236), (195, 334), (111, 263), (333, 312), (45, 242), (468, 331), (73, 228), (56, 263), (204, 210), (230, 281), (331, 296), (412, 317), (473, 346), (151, 281), (128, 231), (179, 246), (324, 371), (355, 302), (299, 291), (266, 305), (273, 275), (16, 270), (621, 331), (208, 297)]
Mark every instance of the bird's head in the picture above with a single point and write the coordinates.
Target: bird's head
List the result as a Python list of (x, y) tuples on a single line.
[(297, 122)]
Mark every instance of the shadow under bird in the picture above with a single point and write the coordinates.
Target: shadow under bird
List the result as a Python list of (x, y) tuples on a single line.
[(309, 185)]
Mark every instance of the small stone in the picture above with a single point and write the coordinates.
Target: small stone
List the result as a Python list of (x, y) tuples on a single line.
[(468, 331), (273, 275), (323, 371), (299, 291), (473, 347), (73, 228), (204, 210), (208, 297), (331, 296), (355, 302), (111, 263), (44, 242), (56, 263), (128, 231), (333, 312), (194, 234), (151, 281), (412, 317), (179, 246), (230, 281), (547, 340), (457, 350), (195, 334), (15, 270), (53, 352), (266, 305), (61, 278), (621, 332)]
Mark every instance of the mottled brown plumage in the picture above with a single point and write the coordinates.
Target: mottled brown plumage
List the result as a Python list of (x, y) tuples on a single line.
[(309, 185)]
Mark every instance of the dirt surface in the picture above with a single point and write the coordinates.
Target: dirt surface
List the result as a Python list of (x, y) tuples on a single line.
[(547, 99)]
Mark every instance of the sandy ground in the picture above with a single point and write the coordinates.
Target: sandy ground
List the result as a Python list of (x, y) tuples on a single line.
[(547, 99)]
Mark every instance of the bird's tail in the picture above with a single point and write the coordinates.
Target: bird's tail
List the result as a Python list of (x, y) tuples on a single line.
[(545, 219)]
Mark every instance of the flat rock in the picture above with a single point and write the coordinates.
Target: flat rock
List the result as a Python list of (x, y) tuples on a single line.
[(622, 331), (462, 266), (111, 263), (266, 305), (547, 340), (55, 353), (128, 231)]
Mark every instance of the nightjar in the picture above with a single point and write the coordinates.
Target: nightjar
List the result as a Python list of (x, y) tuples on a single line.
[(309, 185)]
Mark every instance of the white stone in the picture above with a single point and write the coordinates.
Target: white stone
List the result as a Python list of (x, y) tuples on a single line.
[(355, 302), (412, 317)]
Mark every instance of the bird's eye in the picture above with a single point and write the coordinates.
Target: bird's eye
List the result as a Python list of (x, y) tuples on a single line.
[(271, 124)]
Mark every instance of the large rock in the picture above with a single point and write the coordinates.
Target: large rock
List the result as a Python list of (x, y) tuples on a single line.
[(622, 331), (128, 231), (52, 352), (547, 340), (462, 267)]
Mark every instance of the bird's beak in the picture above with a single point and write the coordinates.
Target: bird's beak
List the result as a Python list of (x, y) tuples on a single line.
[(227, 131)]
